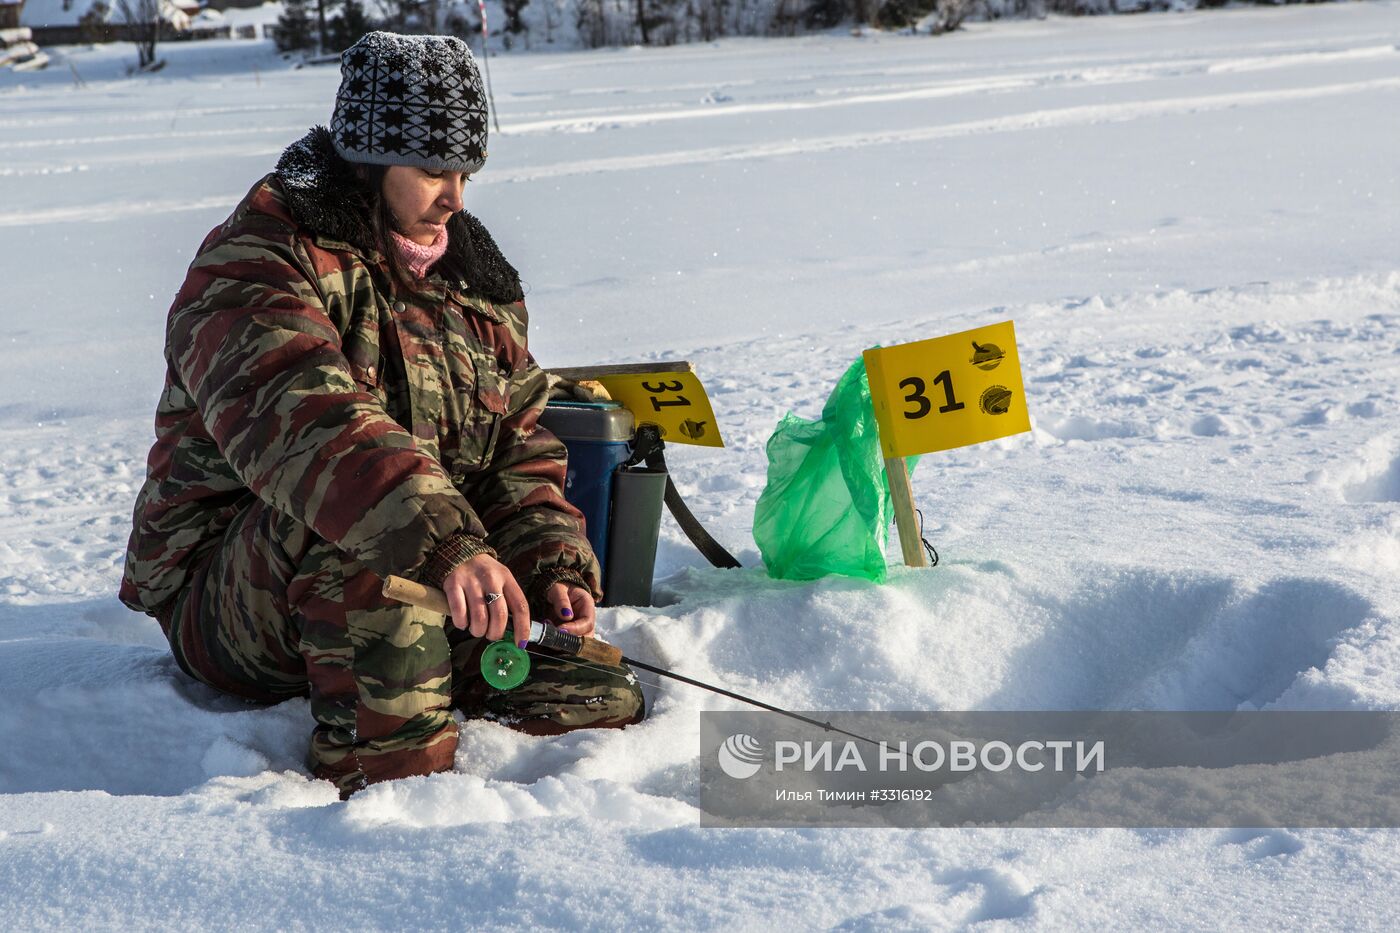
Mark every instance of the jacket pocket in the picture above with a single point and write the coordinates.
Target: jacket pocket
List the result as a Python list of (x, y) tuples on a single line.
[(360, 345), (483, 403), (370, 380)]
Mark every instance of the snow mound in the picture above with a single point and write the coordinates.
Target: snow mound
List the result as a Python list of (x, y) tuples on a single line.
[(459, 799)]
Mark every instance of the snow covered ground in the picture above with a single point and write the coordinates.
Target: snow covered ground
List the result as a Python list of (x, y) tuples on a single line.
[(1194, 221)]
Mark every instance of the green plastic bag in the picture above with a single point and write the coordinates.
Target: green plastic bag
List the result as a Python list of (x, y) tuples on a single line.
[(826, 507)]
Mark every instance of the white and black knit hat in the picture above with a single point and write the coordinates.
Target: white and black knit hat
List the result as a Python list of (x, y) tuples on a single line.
[(410, 100)]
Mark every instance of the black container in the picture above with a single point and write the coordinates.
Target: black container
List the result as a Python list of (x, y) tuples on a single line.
[(638, 495)]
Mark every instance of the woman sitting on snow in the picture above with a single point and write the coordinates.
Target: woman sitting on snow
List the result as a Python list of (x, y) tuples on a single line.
[(348, 396)]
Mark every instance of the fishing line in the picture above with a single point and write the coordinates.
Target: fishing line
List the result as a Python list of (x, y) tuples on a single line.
[(632, 662)]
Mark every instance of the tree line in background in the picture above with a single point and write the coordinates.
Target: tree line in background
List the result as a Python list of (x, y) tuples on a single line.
[(333, 25)]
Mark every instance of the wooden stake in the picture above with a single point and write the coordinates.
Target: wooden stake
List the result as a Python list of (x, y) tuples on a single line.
[(905, 519)]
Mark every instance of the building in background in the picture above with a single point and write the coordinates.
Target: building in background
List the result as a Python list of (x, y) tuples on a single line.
[(68, 22)]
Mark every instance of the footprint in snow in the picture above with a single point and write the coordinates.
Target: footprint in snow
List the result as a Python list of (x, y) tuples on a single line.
[(1380, 483), (1005, 894), (1264, 843)]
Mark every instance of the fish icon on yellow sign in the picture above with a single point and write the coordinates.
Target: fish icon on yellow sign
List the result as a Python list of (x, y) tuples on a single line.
[(995, 401), (986, 356)]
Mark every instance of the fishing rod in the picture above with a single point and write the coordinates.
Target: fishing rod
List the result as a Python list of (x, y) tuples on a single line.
[(486, 60), (505, 665)]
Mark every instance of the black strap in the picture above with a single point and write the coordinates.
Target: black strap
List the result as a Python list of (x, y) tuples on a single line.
[(928, 548), (650, 449)]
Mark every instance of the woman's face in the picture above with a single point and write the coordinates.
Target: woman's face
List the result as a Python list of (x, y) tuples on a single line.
[(422, 200)]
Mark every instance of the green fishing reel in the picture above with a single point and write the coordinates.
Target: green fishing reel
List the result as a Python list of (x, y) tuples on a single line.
[(504, 664)]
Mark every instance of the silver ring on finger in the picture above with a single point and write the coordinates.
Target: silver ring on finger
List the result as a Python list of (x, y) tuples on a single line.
[(492, 597)]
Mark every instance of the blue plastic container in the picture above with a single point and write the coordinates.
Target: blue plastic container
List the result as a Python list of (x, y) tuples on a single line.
[(598, 435)]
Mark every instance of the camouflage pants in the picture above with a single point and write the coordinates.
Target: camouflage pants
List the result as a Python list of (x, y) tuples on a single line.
[(277, 612)]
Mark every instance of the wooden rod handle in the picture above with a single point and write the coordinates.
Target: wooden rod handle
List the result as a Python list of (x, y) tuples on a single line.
[(416, 594), (600, 652), (433, 599)]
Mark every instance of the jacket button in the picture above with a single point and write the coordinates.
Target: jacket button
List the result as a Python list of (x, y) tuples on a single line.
[(370, 372), (399, 307)]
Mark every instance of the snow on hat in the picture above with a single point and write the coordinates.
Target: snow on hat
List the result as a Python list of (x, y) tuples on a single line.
[(410, 100)]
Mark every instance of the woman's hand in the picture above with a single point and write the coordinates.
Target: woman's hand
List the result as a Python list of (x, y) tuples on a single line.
[(571, 608), (468, 590)]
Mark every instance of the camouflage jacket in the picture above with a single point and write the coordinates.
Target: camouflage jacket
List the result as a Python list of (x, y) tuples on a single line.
[(397, 423)]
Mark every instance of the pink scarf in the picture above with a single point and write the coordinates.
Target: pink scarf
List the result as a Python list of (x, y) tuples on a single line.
[(418, 257)]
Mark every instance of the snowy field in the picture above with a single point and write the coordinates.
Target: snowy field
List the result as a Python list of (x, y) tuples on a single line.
[(1194, 221)]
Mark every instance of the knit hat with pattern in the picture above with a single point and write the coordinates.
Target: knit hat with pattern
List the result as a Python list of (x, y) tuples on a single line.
[(410, 100)]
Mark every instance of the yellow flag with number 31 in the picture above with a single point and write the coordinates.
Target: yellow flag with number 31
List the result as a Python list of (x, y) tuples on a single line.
[(674, 402), (948, 392)]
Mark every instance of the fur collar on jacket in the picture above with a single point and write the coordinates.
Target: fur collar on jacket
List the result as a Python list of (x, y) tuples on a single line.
[(324, 194)]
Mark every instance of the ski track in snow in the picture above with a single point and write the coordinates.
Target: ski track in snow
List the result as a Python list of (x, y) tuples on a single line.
[(1035, 120), (1205, 516), (849, 97)]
